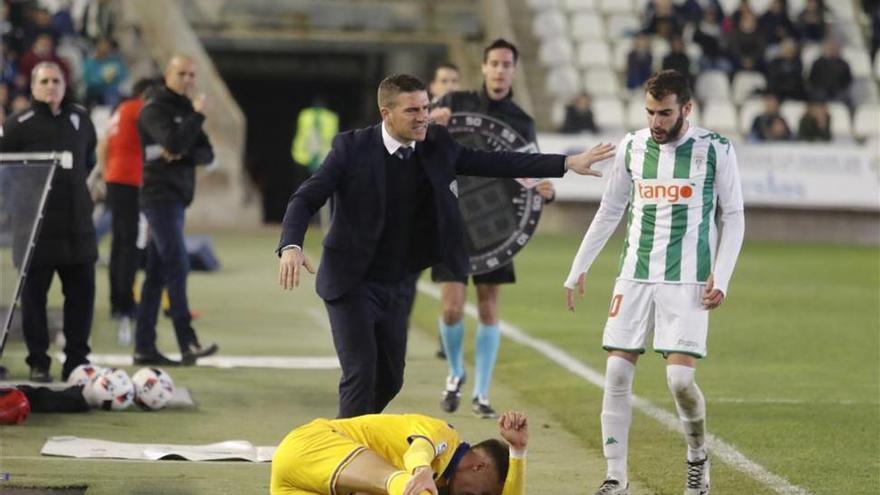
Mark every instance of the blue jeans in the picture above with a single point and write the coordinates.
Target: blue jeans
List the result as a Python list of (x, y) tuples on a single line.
[(168, 267)]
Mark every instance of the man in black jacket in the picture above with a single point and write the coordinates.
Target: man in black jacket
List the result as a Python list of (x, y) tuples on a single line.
[(66, 243), (170, 128)]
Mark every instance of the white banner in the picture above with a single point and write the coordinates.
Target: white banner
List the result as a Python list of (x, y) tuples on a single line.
[(789, 175)]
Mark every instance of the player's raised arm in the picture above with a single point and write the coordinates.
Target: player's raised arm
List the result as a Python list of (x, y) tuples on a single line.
[(514, 428)]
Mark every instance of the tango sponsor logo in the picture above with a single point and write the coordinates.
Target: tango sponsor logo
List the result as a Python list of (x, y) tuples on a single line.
[(669, 192)]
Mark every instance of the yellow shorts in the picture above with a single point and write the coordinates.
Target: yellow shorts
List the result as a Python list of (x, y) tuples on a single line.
[(310, 458)]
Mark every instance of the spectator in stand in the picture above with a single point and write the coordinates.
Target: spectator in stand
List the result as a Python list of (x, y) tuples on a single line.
[(38, 22), (43, 50), (62, 19), (677, 59), (19, 103), (639, 62), (4, 96), (742, 10), (774, 25), (785, 73), (708, 31), (99, 20), (745, 41), (815, 125), (830, 76), (811, 21), (579, 115), (661, 19), (872, 9), (769, 125), (103, 72), (447, 78)]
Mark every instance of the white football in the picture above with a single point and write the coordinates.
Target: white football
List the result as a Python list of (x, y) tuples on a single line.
[(110, 390), (83, 374), (153, 388)]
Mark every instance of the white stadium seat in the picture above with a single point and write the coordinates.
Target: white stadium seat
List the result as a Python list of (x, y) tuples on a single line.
[(695, 118), (557, 113), (555, 52), (809, 53), (550, 23), (587, 26), (636, 116), (795, 7), (622, 25), (593, 53), (712, 85), (621, 50), (576, 5), (659, 49), (563, 83), (542, 4), (721, 117), (842, 10), (877, 65), (841, 127), (746, 84), (616, 6), (100, 116), (867, 122), (601, 82), (729, 6), (761, 6), (608, 113), (750, 109), (859, 61), (864, 90), (792, 111)]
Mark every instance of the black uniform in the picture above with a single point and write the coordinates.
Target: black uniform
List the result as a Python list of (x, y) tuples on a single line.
[(506, 111), (66, 243)]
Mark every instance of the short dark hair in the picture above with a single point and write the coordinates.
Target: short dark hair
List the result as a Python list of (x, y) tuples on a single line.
[(395, 84), (501, 43), (446, 65), (500, 455), (669, 82), (142, 85)]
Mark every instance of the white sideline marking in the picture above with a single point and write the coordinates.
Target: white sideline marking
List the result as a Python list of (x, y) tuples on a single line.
[(794, 402), (721, 450), (275, 362)]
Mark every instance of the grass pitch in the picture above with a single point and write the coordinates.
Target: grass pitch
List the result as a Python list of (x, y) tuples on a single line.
[(792, 379)]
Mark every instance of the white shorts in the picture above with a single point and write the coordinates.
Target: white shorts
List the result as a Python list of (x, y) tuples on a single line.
[(672, 312)]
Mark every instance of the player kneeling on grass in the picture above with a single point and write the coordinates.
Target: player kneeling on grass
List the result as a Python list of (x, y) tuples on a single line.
[(399, 454)]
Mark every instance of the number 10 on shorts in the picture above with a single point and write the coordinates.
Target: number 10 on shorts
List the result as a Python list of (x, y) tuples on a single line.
[(615, 305)]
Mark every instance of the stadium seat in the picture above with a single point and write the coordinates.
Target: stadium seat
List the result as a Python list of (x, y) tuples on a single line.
[(842, 9), (729, 6), (557, 113), (659, 49), (863, 90), (792, 111), (750, 109), (721, 117), (593, 53), (578, 5), (609, 113), (746, 84), (538, 5), (841, 127), (695, 118), (877, 65), (101, 119), (795, 7), (867, 122), (809, 53), (555, 52), (616, 6), (621, 50), (601, 82), (859, 61), (761, 6), (849, 33), (587, 26), (712, 85), (563, 83), (636, 117), (550, 23), (622, 25)]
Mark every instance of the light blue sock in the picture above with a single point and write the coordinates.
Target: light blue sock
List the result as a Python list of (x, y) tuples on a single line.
[(488, 340), (453, 337)]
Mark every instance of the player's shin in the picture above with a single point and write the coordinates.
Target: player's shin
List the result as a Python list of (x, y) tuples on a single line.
[(453, 337), (691, 406), (617, 415)]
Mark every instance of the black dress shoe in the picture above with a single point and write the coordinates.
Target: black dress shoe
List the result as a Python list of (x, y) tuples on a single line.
[(40, 375), (195, 351), (154, 358)]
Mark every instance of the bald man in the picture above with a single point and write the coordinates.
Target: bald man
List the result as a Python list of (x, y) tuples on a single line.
[(174, 143)]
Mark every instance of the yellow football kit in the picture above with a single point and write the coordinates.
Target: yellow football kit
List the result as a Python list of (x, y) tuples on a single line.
[(310, 458)]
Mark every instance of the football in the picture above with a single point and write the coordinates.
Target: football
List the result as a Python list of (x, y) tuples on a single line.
[(153, 388), (111, 389), (83, 374)]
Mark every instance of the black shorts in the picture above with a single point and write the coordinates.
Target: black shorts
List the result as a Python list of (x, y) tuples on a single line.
[(502, 275)]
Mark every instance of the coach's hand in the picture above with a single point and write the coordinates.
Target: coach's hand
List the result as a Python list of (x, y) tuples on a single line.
[(440, 116), (569, 293), (422, 481), (582, 163), (514, 428), (712, 297), (288, 271)]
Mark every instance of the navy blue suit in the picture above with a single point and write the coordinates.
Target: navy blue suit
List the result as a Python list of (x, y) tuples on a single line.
[(368, 317)]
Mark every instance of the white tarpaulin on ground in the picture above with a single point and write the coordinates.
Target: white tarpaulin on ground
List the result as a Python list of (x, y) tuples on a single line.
[(790, 175), (88, 448)]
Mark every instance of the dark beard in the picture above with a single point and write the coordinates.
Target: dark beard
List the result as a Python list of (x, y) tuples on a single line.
[(673, 133)]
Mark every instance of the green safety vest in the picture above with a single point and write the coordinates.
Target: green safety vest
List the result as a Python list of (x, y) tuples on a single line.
[(315, 128)]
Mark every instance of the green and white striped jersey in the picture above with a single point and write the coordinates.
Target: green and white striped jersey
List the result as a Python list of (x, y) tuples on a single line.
[(670, 193)]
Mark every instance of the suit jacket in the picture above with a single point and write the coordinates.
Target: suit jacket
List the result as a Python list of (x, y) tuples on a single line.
[(354, 174)]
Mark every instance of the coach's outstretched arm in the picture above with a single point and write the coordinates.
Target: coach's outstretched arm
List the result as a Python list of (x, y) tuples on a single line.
[(582, 163), (514, 428)]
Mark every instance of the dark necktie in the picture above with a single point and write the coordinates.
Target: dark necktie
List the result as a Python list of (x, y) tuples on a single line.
[(404, 152)]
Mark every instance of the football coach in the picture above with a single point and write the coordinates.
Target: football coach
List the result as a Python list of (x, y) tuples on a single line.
[(395, 213)]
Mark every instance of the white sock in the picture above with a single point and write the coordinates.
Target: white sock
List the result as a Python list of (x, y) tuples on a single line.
[(691, 408), (617, 415)]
